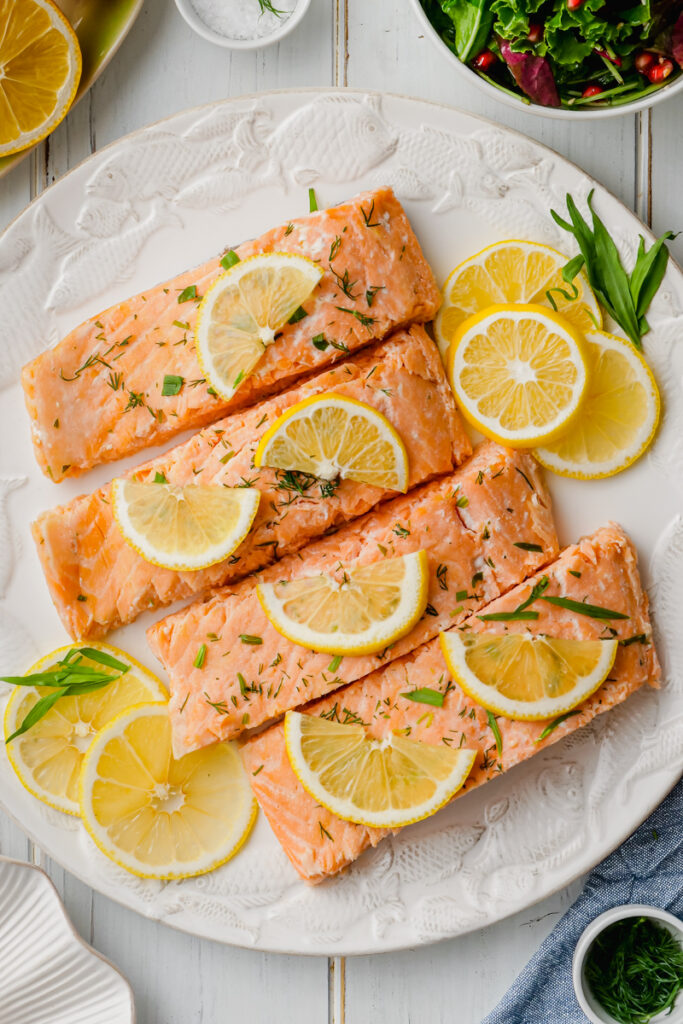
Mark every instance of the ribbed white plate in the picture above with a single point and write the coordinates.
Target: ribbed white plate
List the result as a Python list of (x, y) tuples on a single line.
[(48, 975), (164, 199)]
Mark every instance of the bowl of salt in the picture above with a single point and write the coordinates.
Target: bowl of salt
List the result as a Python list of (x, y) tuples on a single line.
[(243, 24)]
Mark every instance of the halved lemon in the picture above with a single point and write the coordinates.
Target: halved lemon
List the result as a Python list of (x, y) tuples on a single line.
[(513, 271), (527, 677), (48, 757), (40, 68), (330, 436), (619, 414), (244, 309), (183, 528), (518, 373), (158, 817), (361, 611), (379, 783)]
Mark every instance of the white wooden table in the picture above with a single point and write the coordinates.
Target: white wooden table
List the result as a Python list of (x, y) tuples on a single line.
[(376, 44)]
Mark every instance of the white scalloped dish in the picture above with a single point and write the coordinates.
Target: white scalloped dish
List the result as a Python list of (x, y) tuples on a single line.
[(48, 975), (168, 197)]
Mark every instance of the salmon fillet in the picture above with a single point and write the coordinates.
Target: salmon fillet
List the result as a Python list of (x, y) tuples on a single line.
[(96, 396), (320, 844), (98, 581), (467, 523)]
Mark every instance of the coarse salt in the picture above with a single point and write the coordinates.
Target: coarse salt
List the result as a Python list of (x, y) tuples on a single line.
[(242, 19)]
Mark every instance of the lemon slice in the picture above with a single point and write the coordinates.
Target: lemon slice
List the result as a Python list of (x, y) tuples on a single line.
[(619, 415), (183, 528), (518, 373), (48, 757), (244, 309), (512, 271), (527, 677), (362, 612), (379, 783), (158, 817), (40, 68), (330, 436)]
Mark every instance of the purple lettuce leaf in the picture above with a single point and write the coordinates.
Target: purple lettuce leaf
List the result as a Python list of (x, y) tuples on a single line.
[(677, 41), (532, 74)]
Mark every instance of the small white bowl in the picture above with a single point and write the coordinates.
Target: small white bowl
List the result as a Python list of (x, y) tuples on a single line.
[(288, 25), (593, 1010)]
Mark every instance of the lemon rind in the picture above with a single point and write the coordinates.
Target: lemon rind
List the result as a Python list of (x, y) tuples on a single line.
[(444, 344), (489, 698), (56, 118), (517, 439), (219, 553), (549, 461), (299, 410), (447, 790), (122, 862), (305, 637), (210, 298), (10, 723)]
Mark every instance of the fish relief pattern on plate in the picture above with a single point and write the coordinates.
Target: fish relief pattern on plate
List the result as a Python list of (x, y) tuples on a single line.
[(523, 836)]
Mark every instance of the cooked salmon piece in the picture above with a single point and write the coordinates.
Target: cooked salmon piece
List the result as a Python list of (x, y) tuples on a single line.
[(467, 522), (601, 569), (98, 581), (96, 396)]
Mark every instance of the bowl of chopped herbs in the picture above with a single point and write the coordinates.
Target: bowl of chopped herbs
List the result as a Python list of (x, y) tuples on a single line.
[(628, 967), (564, 58)]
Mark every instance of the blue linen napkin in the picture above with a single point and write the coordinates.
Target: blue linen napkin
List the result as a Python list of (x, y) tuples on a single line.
[(647, 868)]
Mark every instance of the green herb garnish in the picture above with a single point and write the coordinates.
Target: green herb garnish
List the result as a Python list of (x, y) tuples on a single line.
[(515, 616), (525, 546), (335, 663), (635, 969), (188, 293), (425, 695), (551, 726), (199, 657), (172, 385), (493, 726), (69, 677), (229, 259), (593, 611), (312, 198), (626, 297), (160, 478), (247, 638), (297, 315)]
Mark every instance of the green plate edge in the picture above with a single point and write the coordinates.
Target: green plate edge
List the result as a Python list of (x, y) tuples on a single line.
[(101, 27)]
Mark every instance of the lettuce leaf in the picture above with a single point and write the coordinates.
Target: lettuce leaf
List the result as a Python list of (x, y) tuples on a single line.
[(677, 41), (532, 74), (472, 20)]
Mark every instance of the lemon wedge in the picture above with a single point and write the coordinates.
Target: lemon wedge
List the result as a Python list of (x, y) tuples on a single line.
[(244, 309), (619, 415), (48, 757), (513, 271), (330, 436), (40, 68), (527, 677), (361, 612), (158, 817), (518, 373), (183, 528), (379, 783)]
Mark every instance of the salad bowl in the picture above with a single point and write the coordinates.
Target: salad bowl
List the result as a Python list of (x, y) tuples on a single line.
[(644, 99)]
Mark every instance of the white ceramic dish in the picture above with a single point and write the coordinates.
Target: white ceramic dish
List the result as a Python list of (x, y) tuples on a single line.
[(673, 88), (190, 15), (48, 975), (594, 1011), (162, 200)]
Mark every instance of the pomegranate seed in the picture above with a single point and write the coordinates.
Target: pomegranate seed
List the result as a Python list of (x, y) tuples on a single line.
[(644, 61), (535, 33), (659, 72), (485, 60), (592, 90), (573, 4)]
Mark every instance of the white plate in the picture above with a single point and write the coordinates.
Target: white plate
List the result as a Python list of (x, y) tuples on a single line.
[(48, 975), (182, 190)]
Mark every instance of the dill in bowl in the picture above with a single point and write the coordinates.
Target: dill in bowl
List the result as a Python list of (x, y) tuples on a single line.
[(635, 969)]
